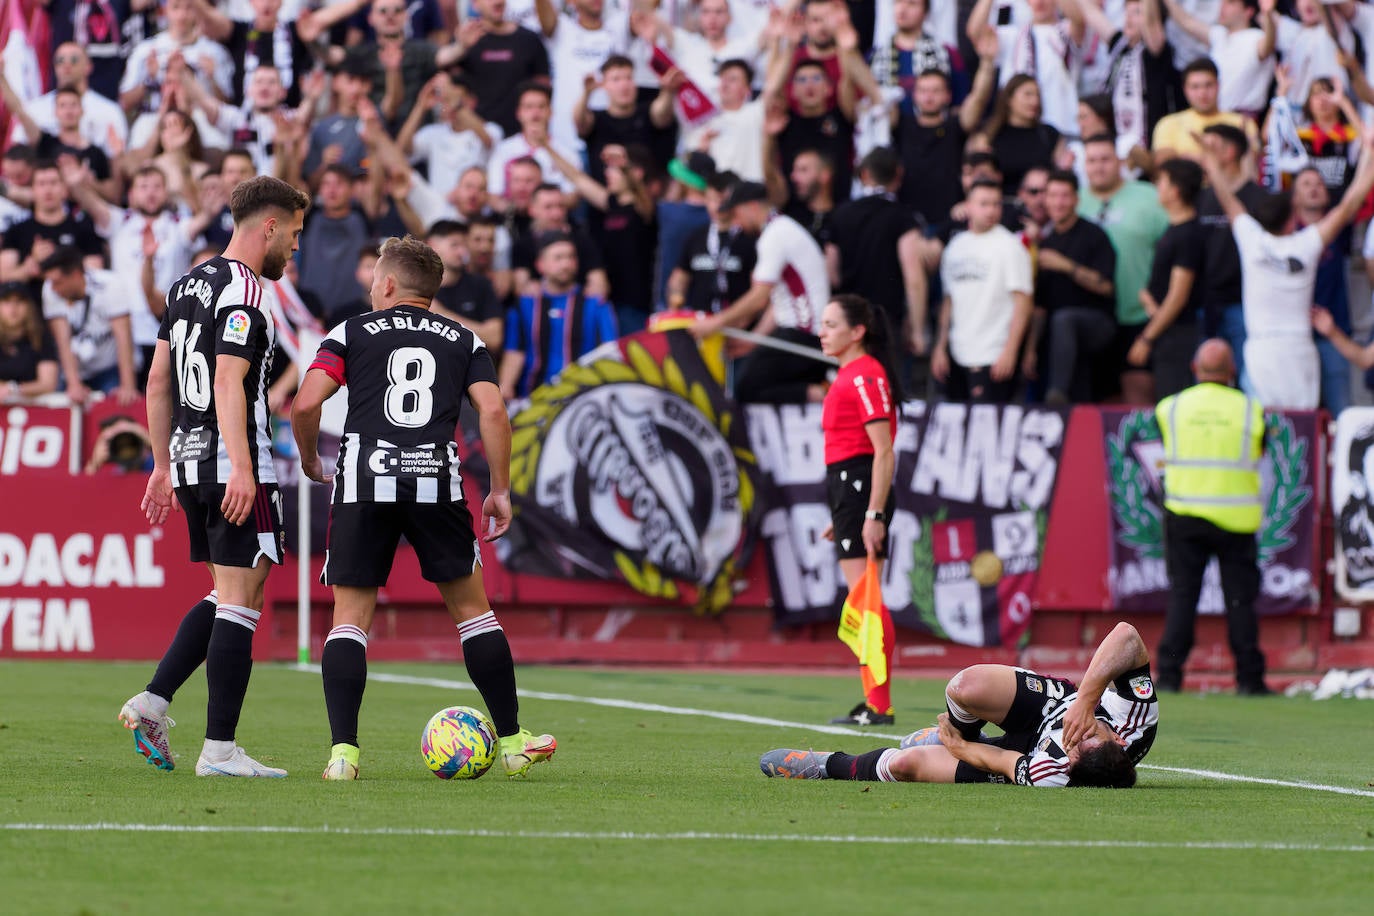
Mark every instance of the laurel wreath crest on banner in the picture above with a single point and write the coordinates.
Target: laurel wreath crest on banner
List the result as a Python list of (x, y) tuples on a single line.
[(1138, 514), (1288, 456), (639, 367)]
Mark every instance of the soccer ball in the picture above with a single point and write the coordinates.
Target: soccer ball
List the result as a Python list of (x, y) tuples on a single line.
[(459, 743)]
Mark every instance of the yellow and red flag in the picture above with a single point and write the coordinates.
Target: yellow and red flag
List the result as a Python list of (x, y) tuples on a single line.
[(866, 628)]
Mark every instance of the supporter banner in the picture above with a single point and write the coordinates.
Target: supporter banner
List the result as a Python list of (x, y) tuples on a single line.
[(38, 440), (1287, 537), (83, 574), (1352, 504), (973, 484), (633, 467)]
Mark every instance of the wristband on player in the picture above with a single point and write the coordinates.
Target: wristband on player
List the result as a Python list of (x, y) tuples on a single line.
[(876, 515)]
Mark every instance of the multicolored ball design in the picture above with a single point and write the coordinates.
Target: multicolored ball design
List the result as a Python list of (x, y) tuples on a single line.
[(459, 743)]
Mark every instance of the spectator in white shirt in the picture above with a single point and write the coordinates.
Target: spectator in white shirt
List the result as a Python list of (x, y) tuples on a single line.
[(102, 121), (578, 46), (1308, 49), (456, 141), (986, 274), (533, 111), (88, 314), (734, 137), (1244, 54)]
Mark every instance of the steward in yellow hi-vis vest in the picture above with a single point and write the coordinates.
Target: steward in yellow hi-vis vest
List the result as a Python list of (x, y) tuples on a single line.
[(1213, 438)]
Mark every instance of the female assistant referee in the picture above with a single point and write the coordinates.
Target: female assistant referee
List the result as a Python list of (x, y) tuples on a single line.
[(860, 422)]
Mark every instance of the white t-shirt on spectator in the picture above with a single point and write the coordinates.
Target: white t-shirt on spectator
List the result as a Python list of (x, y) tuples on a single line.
[(701, 63), (99, 116), (125, 235), (450, 153), (574, 54), (1048, 53), (1187, 48), (980, 271), (517, 147), (252, 130), (93, 342), (748, 18), (790, 259), (1311, 54), (1278, 276), (1242, 78), (738, 145), (163, 45)]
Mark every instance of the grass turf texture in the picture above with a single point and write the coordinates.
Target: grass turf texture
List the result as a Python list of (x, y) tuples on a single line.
[(658, 775)]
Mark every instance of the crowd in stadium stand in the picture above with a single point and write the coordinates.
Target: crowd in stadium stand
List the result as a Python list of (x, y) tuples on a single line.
[(1027, 189)]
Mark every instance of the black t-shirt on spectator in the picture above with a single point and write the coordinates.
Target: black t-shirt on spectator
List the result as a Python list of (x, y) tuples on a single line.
[(108, 31), (1020, 149), (831, 133), (630, 243), (75, 230), (1181, 245), (497, 64), (523, 253), (719, 267), (19, 360), (93, 157), (1221, 266), (1084, 243), (472, 299), (932, 160), (866, 232), (815, 222), (607, 130)]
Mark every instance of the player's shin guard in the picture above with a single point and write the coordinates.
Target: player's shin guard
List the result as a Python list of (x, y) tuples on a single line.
[(486, 653), (187, 651), (344, 669), (967, 724), (228, 666), (863, 767)]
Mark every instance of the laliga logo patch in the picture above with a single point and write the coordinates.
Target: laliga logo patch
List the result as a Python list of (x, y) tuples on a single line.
[(1142, 687), (236, 327)]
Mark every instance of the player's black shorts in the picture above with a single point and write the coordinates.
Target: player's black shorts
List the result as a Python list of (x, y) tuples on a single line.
[(215, 540), (1036, 697), (363, 538), (846, 489)]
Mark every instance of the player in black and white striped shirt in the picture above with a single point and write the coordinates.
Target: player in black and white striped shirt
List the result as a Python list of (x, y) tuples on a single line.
[(408, 372), (1056, 733), (207, 416)]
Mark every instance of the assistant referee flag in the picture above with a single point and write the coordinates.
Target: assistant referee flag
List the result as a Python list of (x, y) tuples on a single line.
[(866, 628)]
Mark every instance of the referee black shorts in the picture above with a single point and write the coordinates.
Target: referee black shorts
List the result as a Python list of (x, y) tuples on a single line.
[(846, 489), (1037, 697), (215, 540), (363, 538)]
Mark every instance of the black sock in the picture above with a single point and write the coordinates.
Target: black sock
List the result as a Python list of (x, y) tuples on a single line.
[(344, 667), (970, 730), (861, 767), (228, 665), (186, 652), (489, 663)]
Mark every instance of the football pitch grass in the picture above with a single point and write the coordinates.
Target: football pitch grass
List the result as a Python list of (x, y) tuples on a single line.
[(655, 803)]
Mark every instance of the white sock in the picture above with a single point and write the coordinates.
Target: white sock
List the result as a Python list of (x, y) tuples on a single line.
[(217, 750), (884, 774), (348, 631), (958, 712), (483, 623), (156, 703)]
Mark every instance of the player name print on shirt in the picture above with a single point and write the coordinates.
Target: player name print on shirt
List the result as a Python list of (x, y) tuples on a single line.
[(410, 323)]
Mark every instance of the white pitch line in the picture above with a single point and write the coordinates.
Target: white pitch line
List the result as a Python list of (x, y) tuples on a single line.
[(684, 836), (807, 726)]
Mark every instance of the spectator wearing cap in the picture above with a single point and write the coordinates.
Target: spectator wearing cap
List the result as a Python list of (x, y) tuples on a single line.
[(734, 137), (337, 138), (28, 356), (335, 230), (87, 311), (790, 276), (681, 212), (717, 260), (556, 324)]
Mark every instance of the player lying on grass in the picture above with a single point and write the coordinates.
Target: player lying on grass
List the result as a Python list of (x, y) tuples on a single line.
[(1055, 733)]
